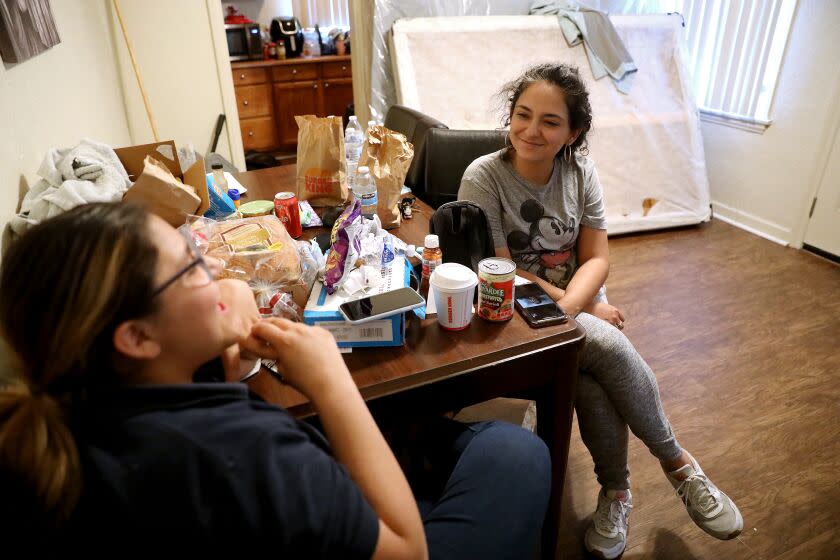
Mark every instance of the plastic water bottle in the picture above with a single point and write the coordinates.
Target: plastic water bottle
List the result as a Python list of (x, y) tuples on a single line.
[(353, 140), (365, 191)]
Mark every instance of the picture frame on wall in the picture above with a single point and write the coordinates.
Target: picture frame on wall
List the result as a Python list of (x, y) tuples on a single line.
[(27, 28)]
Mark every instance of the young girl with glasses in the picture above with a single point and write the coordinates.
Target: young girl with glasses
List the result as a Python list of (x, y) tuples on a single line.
[(105, 437)]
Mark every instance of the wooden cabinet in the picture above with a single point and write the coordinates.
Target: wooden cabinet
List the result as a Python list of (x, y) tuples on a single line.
[(270, 93)]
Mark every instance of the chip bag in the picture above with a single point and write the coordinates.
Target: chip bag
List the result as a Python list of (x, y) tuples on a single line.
[(345, 246)]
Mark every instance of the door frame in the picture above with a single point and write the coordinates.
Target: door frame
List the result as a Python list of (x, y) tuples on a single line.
[(216, 19), (830, 130)]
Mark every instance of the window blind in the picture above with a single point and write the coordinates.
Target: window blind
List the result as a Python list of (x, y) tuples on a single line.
[(735, 50), (326, 13)]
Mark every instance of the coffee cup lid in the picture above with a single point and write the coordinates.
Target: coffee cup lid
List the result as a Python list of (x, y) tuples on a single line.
[(453, 276)]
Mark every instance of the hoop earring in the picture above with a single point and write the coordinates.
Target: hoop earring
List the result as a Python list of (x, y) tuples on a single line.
[(567, 153)]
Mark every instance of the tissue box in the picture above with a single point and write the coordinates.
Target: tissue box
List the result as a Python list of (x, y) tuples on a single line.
[(322, 310)]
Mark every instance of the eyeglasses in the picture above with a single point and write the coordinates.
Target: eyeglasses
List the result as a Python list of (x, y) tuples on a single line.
[(195, 275)]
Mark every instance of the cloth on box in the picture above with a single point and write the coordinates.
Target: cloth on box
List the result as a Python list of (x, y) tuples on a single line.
[(88, 172), (604, 48)]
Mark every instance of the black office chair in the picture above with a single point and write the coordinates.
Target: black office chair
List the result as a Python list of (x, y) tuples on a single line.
[(414, 125), (448, 154)]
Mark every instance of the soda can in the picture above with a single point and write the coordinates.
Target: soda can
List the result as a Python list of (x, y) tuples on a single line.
[(286, 208), (495, 289)]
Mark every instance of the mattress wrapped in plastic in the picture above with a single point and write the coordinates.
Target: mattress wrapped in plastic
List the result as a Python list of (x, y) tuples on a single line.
[(646, 144)]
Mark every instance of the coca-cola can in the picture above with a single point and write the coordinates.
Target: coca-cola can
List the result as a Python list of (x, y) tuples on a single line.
[(286, 208)]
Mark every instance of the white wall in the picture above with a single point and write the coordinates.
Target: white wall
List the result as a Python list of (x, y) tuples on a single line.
[(182, 55), (766, 182), (55, 99)]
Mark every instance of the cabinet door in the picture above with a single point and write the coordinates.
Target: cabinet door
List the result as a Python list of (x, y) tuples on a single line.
[(290, 99), (258, 133), (338, 94), (253, 101)]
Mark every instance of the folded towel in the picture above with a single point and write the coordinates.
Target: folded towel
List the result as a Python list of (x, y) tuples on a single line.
[(88, 172), (605, 50)]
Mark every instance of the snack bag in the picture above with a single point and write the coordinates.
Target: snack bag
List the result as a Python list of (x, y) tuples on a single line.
[(345, 248), (388, 155), (321, 162), (221, 204)]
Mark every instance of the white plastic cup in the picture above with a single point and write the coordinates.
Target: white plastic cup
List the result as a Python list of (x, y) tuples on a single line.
[(454, 286)]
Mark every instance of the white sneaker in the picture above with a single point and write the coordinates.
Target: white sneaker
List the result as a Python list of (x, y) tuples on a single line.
[(606, 535), (709, 508)]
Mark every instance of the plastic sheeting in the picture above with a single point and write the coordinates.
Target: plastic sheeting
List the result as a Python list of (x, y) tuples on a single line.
[(646, 145), (386, 12)]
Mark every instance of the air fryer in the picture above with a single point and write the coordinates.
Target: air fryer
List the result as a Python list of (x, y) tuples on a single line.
[(288, 31)]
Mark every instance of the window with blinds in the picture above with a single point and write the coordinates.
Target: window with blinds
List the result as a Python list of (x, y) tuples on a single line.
[(326, 13), (735, 50)]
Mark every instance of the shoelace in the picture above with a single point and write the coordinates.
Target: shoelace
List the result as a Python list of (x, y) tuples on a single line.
[(614, 519), (699, 491)]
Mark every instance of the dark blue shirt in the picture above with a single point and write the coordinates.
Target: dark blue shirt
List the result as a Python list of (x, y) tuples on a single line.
[(211, 464)]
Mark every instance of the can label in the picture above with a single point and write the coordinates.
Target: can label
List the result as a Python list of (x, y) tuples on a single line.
[(287, 210), (495, 289)]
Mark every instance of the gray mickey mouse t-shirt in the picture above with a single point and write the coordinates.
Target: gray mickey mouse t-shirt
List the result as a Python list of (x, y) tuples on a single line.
[(538, 223)]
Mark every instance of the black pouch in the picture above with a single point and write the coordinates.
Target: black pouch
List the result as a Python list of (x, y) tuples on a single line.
[(464, 233)]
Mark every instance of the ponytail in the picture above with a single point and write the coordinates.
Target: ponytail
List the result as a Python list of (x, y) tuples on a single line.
[(37, 450)]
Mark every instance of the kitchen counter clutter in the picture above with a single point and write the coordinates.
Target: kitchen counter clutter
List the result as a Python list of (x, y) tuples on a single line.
[(269, 93)]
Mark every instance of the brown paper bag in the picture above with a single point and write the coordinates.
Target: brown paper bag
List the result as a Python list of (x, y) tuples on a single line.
[(159, 191), (388, 155), (321, 163)]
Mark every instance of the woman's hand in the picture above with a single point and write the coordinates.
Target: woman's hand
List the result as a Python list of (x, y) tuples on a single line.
[(242, 308), (608, 313), (308, 357)]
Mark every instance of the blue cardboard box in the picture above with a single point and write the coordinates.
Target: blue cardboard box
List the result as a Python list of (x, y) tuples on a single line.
[(322, 310)]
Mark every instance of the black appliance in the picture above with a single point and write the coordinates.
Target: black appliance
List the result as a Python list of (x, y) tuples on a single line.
[(288, 31)]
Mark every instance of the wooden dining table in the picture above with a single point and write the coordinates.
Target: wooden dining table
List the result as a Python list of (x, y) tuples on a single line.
[(436, 370)]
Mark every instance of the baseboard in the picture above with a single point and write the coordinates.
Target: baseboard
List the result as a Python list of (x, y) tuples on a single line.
[(753, 224)]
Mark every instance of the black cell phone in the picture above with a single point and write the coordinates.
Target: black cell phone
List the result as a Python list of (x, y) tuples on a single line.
[(537, 307), (381, 305)]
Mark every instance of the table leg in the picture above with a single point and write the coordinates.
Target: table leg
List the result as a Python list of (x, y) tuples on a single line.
[(555, 407)]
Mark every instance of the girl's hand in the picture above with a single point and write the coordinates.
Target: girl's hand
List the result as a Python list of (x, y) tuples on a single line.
[(308, 357), (608, 313)]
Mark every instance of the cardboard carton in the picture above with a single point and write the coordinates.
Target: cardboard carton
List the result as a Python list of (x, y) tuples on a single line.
[(156, 171), (322, 310)]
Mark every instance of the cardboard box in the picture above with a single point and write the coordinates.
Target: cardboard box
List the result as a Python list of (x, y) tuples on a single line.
[(322, 310), (154, 188)]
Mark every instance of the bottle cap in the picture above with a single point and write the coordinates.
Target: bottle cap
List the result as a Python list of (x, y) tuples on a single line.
[(216, 166), (431, 241), (233, 194), (362, 169)]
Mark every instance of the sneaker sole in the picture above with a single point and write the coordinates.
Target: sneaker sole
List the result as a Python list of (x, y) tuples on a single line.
[(600, 555)]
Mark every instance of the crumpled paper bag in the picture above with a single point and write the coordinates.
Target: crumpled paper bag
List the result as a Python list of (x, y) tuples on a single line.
[(388, 155)]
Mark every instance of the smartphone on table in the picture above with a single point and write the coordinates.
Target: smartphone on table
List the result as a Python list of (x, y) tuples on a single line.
[(382, 305), (537, 307)]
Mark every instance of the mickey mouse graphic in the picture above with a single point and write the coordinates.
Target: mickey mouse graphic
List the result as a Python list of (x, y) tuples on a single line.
[(546, 249)]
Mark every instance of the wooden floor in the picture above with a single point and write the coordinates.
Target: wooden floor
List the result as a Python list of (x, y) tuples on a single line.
[(744, 336)]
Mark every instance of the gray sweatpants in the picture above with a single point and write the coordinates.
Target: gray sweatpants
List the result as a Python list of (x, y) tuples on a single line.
[(617, 389)]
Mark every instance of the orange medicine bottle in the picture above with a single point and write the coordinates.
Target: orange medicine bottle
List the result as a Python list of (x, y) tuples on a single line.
[(432, 255)]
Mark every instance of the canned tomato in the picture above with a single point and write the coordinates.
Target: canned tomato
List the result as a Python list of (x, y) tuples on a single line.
[(286, 208), (495, 289)]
